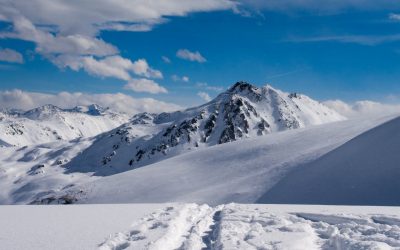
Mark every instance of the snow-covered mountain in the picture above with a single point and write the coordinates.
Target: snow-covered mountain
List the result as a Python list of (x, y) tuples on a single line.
[(199, 164), (243, 171), (243, 111), (50, 123)]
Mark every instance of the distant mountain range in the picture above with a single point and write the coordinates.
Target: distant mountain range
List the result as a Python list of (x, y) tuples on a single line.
[(50, 123)]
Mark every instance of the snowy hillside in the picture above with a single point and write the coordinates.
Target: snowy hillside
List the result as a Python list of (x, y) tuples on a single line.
[(240, 171), (50, 123), (243, 111), (365, 170)]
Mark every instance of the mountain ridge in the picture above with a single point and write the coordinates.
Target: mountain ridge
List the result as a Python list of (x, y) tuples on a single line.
[(243, 111), (49, 123)]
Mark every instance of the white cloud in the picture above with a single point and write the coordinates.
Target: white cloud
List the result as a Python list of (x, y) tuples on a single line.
[(50, 44), (67, 32), (77, 52), (205, 86), (203, 95), (141, 67), (395, 17), (190, 56), (87, 17), (145, 85), (361, 108), (119, 102), (177, 78), (369, 40), (12, 56), (113, 66)]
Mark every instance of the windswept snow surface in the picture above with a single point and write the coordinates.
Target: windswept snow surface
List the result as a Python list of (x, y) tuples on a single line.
[(234, 172), (364, 171), (195, 227)]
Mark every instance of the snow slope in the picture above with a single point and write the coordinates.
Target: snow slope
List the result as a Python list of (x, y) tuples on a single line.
[(240, 171), (243, 111), (364, 171), (30, 172), (50, 123), (195, 227)]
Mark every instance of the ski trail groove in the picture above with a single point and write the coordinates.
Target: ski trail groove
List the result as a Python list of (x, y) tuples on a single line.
[(170, 228), (211, 236)]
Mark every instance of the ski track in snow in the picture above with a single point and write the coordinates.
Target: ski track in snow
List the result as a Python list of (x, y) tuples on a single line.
[(234, 226), (187, 226)]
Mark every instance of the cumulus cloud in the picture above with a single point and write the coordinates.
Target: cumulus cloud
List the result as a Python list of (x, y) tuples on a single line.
[(85, 17), (190, 56), (68, 32), (119, 102), (205, 96), (11, 56), (361, 108), (77, 52), (50, 44), (145, 85), (112, 66)]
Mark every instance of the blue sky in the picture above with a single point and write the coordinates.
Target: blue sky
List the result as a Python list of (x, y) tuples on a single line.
[(340, 53)]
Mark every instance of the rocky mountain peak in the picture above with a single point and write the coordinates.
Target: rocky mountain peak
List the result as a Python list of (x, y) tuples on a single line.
[(42, 111), (243, 111), (95, 109), (242, 86)]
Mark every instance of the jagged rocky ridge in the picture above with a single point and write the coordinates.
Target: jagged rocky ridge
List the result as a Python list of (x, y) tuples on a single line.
[(50, 123), (243, 111)]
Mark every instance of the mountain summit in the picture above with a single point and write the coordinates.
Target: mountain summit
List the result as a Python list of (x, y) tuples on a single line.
[(243, 111)]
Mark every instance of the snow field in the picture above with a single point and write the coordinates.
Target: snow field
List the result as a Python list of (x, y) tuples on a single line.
[(240, 226)]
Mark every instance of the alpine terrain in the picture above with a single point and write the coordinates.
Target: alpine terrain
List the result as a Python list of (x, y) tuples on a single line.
[(49, 123), (243, 111), (248, 145)]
